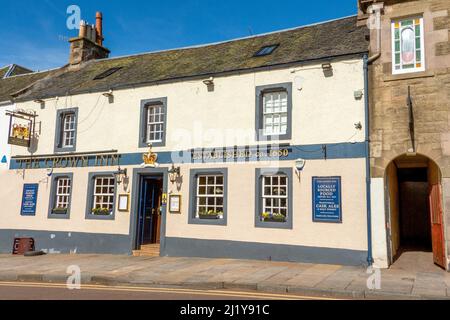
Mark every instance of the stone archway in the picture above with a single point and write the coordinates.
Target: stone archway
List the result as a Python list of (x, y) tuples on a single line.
[(414, 223)]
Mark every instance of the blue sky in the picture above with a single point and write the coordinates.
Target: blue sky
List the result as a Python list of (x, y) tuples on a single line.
[(34, 33)]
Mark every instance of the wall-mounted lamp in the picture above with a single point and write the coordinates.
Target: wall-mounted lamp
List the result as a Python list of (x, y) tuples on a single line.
[(120, 175), (40, 102), (108, 94), (209, 82), (327, 69), (300, 164), (174, 173), (327, 66)]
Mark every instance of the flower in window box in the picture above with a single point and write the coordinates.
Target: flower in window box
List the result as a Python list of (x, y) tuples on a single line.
[(275, 217), (101, 211), (211, 215), (59, 210)]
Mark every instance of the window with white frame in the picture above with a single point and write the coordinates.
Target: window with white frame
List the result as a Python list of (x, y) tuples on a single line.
[(408, 53), (60, 200), (68, 134), (103, 195), (210, 196), (274, 198), (275, 113), (155, 123)]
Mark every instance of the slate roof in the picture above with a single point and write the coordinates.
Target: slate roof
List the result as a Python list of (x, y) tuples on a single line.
[(11, 85), (3, 71), (330, 39)]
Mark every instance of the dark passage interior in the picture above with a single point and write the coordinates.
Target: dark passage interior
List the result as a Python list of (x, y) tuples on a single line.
[(415, 223)]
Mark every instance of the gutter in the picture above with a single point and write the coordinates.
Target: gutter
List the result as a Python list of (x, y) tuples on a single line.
[(368, 171)]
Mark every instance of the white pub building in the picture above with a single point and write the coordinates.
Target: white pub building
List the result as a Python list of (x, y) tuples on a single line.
[(253, 148)]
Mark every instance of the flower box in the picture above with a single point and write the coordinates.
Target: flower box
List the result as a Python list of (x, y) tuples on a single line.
[(209, 216), (266, 217), (59, 211), (273, 219), (101, 212)]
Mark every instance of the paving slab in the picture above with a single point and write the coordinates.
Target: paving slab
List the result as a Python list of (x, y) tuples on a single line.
[(280, 277)]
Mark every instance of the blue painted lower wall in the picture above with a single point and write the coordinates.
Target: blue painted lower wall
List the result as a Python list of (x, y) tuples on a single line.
[(181, 247), (94, 243), (67, 242)]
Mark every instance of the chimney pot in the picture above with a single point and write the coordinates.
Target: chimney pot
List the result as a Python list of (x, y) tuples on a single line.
[(99, 28), (82, 33)]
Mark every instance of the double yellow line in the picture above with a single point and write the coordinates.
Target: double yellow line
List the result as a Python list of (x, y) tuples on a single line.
[(211, 293)]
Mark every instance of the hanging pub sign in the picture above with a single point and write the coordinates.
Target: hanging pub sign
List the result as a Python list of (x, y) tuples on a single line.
[(327, 199), (21, 127)]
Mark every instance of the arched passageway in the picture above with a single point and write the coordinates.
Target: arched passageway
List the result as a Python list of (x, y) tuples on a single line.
[(414, 213)]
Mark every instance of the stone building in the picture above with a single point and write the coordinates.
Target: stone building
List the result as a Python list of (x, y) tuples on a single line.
[(410, 122)]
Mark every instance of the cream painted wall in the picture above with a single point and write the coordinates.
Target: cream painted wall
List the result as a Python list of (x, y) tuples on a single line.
[(11, 198), (379, 240), (351, 234), (324, 111), (5, 149)]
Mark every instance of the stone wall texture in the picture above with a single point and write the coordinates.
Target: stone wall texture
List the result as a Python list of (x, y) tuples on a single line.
[(430, 92)]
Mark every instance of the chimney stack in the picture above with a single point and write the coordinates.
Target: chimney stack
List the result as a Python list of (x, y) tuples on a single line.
[(89, 43)]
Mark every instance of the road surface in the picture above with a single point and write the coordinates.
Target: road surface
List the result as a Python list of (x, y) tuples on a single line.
[(40, 291)]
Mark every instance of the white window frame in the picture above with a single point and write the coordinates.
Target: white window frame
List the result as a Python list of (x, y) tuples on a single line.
[(68, 128), (207, 195), (149, 123), (62, 193), (274, 114), (95, 194), (422, 47), (279, 197)]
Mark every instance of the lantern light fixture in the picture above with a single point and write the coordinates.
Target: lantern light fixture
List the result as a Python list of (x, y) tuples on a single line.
[(174, 173), (120, 175)]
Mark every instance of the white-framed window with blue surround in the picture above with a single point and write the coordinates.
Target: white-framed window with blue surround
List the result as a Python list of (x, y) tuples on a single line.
[(60, 196), (102, 194), (408, 45), (66, 130), (274, 112), (274, 198), (153, 122), (208, 199)]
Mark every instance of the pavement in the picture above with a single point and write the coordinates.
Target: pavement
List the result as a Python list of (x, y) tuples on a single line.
[(316, 280)]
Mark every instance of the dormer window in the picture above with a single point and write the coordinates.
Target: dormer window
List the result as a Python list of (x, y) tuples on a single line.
[(408, 53)]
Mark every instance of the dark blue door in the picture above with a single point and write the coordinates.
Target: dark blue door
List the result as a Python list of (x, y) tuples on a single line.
[(149, 210)]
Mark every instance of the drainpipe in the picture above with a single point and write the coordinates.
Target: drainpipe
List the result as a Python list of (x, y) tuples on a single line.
[(368, 181), (375, 22)]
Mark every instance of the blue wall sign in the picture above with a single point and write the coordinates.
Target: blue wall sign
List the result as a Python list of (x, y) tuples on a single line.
[(327, 199), (4, 159), (29, 199)]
